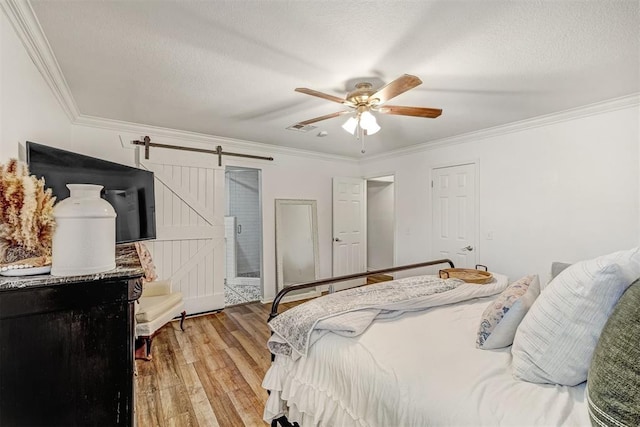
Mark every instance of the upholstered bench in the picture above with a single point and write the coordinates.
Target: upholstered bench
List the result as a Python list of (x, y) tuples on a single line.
[(157, 306)]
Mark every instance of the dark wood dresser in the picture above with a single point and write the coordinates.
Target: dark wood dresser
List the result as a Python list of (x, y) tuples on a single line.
[(66, 347)]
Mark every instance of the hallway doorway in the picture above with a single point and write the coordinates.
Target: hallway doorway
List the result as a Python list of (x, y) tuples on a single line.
[(380, 222)]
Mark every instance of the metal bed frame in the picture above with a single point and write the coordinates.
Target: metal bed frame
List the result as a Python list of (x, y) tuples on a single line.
[(278, 299), (283, 421)]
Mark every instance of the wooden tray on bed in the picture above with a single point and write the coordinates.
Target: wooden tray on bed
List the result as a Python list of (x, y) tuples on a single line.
[(469, 275)]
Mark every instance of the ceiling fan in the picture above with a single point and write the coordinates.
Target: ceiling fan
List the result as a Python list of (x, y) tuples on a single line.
[(363, 100)]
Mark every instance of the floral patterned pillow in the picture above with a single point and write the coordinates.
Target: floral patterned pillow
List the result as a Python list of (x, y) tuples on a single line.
[(146, 261), (501, 318)]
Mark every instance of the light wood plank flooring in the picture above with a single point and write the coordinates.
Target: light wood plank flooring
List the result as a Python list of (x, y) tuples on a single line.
[(210, 374)]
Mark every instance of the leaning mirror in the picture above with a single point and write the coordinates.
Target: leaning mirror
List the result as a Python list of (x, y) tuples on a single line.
[(296, 243)]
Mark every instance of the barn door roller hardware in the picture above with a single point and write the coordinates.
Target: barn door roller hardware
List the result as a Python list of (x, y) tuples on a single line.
[(146, 143)]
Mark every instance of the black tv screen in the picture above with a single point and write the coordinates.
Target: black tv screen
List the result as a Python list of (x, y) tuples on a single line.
[(129, 190)]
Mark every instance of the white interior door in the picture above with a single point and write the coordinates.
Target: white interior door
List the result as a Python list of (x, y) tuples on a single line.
[(454, 214), (349, 229), (189, 248)]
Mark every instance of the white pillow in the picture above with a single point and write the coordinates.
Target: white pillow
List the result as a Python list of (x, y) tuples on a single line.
[(501, 318), (555, 341)]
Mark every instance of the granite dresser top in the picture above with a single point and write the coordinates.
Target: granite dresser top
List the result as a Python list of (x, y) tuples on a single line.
[(127, 266)]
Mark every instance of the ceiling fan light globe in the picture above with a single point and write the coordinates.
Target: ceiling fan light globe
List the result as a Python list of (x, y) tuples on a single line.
[(374, 128), (367, 120), (350, 125)]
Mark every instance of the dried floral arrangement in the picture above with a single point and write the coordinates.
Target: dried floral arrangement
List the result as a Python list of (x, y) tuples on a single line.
[(26, 217)]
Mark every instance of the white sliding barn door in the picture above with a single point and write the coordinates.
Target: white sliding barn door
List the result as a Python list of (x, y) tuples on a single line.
[(349, 229), (454, 214), (189, 248)]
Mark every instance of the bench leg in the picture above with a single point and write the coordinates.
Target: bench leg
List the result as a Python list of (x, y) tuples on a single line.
[(147, 341), (144, 352), (182, 316)]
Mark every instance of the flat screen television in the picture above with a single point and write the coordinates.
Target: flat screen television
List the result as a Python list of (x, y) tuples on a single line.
[(129, 190)]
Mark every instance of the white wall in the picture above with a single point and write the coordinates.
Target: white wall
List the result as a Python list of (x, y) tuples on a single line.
[(563, 191), (380, 224), (28, 109)]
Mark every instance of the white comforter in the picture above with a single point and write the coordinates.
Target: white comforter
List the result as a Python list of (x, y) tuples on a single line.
[(350, 312), (418, 370)]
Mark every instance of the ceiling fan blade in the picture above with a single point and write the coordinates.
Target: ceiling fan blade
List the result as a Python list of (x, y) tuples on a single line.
[(323, 95), (396, 87), (430, 113), (328, 116)]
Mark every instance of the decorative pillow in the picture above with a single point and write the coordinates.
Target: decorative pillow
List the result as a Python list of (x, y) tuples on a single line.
[(555, 341), (146, 262), (613, 385), (501, 318), (556, 268)]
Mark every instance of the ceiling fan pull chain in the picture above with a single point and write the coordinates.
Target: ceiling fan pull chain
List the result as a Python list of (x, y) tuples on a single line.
[(361, 133)]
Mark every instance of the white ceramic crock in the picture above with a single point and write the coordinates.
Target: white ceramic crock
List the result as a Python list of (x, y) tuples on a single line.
[(84, 240)]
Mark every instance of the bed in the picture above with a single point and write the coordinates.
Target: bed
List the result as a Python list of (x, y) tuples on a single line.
[(422, 366)]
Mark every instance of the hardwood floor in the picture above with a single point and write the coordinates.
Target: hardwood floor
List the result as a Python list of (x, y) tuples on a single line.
[(377, 278), (210, 374)]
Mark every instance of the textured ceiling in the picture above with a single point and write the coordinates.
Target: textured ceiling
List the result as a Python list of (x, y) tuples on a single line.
[(229, 68)]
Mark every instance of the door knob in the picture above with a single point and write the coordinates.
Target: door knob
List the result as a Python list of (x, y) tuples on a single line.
[(335, 239), (468, 248)]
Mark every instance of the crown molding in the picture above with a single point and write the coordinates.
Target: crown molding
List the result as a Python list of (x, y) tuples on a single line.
[(200, 138), (28, 29), (548, 119)]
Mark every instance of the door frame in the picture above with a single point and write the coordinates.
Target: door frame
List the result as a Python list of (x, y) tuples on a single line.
[(251, 165), (476, 220), (395, 211)]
